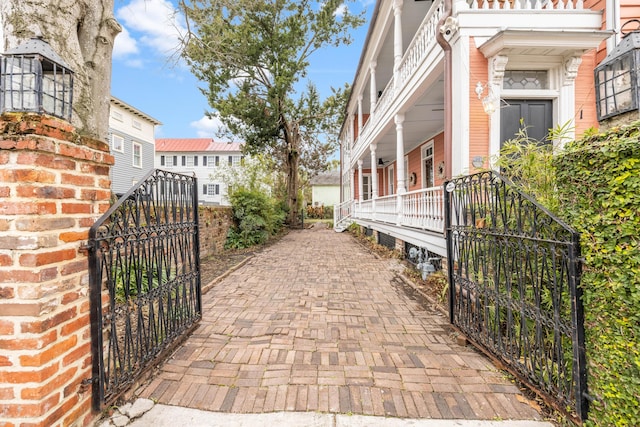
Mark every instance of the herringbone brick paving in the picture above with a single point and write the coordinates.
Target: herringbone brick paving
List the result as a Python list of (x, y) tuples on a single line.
[(316, 323)]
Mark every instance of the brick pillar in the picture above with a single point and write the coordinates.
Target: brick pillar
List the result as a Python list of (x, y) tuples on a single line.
[(54, 184)]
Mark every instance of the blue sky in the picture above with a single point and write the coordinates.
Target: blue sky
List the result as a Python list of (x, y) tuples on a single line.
[(146, 76)]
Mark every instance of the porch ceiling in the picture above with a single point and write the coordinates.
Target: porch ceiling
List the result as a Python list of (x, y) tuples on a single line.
[(423, 120), (413, 12)]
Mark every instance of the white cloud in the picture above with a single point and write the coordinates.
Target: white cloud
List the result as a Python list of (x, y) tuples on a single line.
[(135, 63), (341, 10), (156, 21), (207, 127), (124, 45)]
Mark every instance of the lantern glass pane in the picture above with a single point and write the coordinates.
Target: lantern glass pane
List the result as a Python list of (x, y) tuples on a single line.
[(20, 84)]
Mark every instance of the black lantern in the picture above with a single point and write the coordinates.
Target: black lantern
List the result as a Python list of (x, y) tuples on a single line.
[(34, 78), (617, 78)]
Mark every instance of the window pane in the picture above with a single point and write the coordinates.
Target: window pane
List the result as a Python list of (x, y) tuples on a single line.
[(519, 79)]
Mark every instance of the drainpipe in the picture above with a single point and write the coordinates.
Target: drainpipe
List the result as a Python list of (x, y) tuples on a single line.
[(448, 113)]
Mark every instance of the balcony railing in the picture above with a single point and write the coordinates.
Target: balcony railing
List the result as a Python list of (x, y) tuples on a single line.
[(526, 4), (423, 209), (422, 42)]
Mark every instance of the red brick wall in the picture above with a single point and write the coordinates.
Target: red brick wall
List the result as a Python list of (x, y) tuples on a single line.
[(214, 222), (54, 184)]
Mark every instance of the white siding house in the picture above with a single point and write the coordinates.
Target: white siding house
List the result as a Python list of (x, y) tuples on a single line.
[(325, 189), (132, 142), (202, 157)]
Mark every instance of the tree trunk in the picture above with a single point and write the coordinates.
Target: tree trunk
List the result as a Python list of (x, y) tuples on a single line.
[(293, 182), (82, 33)]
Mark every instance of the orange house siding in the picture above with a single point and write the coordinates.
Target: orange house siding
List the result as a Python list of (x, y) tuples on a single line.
[(414, 166), (629, 9), (478, 119), (585, 96), (365, 117)]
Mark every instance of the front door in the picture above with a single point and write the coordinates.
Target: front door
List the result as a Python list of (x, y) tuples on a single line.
[(536, 116)]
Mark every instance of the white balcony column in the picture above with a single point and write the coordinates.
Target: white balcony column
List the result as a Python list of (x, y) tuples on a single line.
[(399, 120), (351, 131), (360, 186), (374, 171), (352, 183), (373, 90), (374, 179), (359, 116), (397, 40)]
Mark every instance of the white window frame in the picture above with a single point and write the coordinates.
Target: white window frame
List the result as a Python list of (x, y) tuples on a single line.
[(367, 190), (116, 115), (407, 184), (136, 124), (133, 154), (190, 161), (391, 172), (424, 155), (213, 189), (114, 146)]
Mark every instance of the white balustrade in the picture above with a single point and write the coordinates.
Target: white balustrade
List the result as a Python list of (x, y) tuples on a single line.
[(364, 209), (387, 209), (526, 5), (422, 43), (423, 209)]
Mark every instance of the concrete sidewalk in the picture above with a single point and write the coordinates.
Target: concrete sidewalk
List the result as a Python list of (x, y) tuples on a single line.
[(171, 416), (317, 324)]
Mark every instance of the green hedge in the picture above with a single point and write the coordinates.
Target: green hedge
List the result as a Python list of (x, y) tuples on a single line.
[(599, 188), (255, 217)]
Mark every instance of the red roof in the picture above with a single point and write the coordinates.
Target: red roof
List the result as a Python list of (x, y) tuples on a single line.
[(195, 144)]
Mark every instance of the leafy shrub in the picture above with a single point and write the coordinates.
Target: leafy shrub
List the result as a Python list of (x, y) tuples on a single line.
[(256, 217), (319, 212), (598, 181)]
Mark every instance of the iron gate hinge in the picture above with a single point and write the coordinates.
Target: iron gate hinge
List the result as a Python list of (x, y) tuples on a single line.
[(85, 248)]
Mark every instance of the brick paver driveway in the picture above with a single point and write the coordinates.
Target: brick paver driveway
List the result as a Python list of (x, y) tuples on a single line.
[(316, 323)]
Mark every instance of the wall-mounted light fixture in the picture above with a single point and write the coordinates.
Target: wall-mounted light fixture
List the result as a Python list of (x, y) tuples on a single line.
[(34, 78), (489, 101), (617, 77)]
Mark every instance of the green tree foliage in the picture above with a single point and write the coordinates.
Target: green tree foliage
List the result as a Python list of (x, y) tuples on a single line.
[(252, 55)]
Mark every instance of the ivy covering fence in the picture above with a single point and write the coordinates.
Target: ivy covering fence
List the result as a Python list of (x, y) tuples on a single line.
[(598, 181)]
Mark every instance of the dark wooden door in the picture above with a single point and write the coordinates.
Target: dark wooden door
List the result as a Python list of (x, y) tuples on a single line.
[(536, 115)]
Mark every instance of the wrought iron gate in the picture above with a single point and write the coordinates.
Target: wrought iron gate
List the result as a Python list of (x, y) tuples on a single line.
[(144, 278), (514, 275)]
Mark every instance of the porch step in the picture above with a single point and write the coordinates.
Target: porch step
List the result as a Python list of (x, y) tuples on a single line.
[(342, 225)]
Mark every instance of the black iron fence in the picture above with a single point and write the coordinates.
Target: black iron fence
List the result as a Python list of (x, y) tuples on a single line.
[(514, 274), (144, 280)]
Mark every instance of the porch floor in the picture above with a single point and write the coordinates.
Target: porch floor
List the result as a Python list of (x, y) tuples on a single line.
[(317, 323)]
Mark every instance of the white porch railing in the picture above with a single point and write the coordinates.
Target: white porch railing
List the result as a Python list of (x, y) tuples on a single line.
[(526, 5), (423, 209), (386, 209), (342, 211)]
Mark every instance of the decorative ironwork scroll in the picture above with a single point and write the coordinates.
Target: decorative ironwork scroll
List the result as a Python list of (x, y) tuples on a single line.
[(514, 274), (144, 274)]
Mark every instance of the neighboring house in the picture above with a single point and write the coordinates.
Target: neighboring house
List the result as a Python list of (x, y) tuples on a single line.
[(132, 141), (325, 189), (202, 157), (435, 97)]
